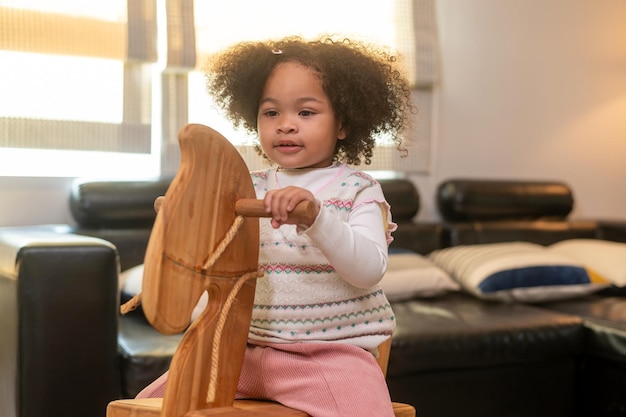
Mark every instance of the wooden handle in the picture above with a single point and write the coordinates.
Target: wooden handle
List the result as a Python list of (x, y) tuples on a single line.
[(249, 207), (158, 203)]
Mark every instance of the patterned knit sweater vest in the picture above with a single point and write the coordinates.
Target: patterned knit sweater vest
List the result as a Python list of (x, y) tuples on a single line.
[(301, 298)]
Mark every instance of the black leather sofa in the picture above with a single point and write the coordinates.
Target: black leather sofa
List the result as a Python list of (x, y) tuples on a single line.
[(65, 350), (589, 341)]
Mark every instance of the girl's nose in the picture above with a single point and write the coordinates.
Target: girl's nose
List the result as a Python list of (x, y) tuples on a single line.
[(286, 125)]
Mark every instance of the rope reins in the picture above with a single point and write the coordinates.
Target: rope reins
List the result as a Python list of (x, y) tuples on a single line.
[(219, 327)]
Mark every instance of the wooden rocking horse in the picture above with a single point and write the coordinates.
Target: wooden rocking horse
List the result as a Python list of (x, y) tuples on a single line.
[(206, 238)]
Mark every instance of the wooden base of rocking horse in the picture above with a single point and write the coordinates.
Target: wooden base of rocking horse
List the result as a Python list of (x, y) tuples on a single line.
[(204, 240), (151, 407)]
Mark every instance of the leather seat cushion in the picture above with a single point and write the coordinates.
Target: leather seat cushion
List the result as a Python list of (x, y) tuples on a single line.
[(604, 320), (460, 331)]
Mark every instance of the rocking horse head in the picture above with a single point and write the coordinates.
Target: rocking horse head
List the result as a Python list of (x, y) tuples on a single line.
[(198, 241)]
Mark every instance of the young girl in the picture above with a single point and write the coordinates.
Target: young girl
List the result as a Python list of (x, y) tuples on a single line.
[(318, 314)]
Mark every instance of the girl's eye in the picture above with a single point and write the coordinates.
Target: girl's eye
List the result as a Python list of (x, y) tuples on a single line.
[(306, 113), (271, 113)]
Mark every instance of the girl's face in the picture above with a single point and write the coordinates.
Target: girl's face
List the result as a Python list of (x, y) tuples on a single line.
[(296, 122)]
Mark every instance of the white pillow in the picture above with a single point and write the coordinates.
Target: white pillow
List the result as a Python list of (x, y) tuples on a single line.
[(517, 271), (412, 275), (605, 257), (131, 281)]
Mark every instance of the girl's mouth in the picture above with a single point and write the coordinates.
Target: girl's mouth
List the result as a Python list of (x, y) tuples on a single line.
[(287, 147)]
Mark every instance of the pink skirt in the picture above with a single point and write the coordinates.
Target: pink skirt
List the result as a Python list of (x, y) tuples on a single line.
[(321, 379)]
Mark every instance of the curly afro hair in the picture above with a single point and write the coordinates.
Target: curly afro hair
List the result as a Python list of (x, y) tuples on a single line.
[(368, 93)]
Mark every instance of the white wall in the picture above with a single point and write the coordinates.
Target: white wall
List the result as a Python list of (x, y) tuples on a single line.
[(534, 89), (26, 201), (531, 89)]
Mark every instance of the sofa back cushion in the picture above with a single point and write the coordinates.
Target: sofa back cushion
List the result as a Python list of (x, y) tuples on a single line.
[(478, 211), (121, 212), (116, 204), (461, 200)]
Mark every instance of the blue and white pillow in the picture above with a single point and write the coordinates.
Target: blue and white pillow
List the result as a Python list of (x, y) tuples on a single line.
[(517, 271)]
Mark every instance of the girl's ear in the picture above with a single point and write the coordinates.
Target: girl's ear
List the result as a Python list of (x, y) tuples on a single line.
[(342, 134)]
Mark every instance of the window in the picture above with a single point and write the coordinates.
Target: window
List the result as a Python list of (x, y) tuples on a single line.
[(103, 88), (76, 83)]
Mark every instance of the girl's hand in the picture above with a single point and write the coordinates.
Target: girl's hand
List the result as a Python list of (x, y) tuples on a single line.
[(281, 202)]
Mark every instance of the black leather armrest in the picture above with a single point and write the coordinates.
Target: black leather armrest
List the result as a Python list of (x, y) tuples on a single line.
[(58, 321)]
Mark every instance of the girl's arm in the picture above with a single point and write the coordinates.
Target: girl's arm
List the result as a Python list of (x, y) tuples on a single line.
[(357, 249)]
